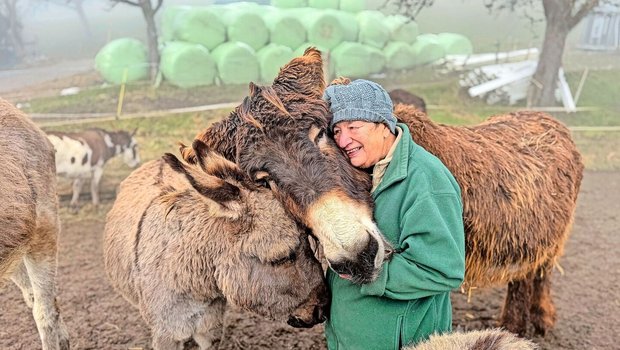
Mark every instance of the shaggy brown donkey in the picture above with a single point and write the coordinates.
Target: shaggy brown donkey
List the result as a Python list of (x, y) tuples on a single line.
[(520, 175)]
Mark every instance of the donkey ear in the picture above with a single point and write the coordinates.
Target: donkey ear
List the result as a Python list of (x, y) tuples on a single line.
[(303, 74), (209, 186), (254, 89)]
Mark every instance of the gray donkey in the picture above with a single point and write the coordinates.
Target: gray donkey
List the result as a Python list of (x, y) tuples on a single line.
[(182, 241)]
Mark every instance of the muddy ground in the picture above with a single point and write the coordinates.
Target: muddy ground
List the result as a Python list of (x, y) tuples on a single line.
[(587, 295)]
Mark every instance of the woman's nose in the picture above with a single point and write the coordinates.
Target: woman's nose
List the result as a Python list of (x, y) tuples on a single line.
[(343, 139)]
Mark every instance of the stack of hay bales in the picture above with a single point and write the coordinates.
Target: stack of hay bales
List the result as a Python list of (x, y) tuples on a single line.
[(243, 42)]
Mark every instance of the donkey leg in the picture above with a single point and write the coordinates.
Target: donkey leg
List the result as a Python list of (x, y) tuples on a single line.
[(94, 185), (41, 267), (542, 311), (162, 342), (21, 279), (516, 310), (210, 327), (77, 188)]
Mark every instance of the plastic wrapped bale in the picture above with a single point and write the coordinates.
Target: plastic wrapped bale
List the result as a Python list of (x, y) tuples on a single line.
[(271, 58), (289, 4), (120, 55), (244, 23), (356, 60), (324, 4), (195, 24), (348, 21), (402, 29), (187, 64), (372, 29), (322, 27), (353, 5), (284, 28), (169, 14), (236, 63), (427, 49), (455, 44), (399, 55)]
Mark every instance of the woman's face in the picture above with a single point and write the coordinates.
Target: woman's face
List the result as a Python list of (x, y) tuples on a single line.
[(365, 143)]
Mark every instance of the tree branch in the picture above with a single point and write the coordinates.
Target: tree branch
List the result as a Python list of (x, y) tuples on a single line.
[(159, 3), (128, 2), (583, 11)]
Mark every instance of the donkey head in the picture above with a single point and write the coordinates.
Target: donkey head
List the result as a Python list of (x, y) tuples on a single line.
[(263, 260), (278, 137)]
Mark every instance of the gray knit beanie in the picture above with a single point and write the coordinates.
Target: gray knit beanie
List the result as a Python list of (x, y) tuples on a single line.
[(360, 100)]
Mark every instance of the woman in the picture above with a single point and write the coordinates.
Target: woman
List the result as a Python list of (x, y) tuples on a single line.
[(418, 209)]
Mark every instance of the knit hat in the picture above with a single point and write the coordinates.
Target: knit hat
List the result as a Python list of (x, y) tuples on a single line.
[(360, 100)]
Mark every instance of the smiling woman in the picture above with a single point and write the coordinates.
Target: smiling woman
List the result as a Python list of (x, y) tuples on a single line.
[(418, 209)]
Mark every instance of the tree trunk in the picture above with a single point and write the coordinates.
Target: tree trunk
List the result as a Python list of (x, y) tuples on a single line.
[(541, 92), (151, 31)]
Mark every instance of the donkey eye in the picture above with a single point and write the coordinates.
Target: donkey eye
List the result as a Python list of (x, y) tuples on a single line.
[(319, 136), (263, 179), (288, 259)]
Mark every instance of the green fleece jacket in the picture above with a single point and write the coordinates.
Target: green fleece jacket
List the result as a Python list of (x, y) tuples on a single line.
[(418, 209)]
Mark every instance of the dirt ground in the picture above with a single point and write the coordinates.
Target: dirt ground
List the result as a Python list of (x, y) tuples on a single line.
[(587, 295)]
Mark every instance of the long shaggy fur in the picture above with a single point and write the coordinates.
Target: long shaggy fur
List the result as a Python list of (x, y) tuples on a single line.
[(489, 339)]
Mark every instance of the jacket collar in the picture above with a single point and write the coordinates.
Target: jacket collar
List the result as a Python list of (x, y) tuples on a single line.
[(397, 169)]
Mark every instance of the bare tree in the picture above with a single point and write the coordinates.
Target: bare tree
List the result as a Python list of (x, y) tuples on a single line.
[(148, 11), (11, 30), (561, 16)]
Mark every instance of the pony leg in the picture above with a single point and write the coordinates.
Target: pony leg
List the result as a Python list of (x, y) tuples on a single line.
[(516, 310), (542, 310), (77, 188), (161, 342), (94, 185)]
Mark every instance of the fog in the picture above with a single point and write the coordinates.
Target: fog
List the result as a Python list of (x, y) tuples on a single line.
[(55, 31)]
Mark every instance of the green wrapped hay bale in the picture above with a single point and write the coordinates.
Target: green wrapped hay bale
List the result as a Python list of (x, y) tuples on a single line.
[(271, 58), (373, 31), (377, 59), (402, 28), (285, 29), (353, 5), (354, 60), (455, 44), (399, 55), (289, 4), (348, 21), (324, 4), (322, 27), (236, 63), (200, 25), (427, 49), (167, 20), (244, 23), (187, 64), (120, 55)]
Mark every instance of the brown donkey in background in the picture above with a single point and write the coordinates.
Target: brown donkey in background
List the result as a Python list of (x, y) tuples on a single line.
[(29, 223)]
